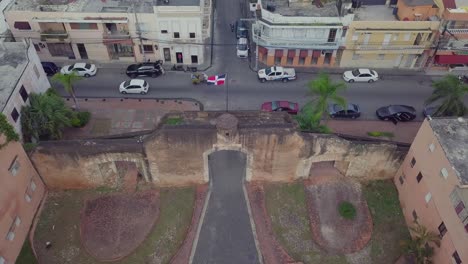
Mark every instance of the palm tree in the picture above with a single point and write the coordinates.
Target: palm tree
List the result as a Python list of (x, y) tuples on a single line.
[(67, 80), (46, 116), (324, 90), (450, 91), (420, 246)]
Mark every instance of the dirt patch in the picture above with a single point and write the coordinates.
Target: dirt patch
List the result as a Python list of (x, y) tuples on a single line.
[(113, 226), (272, 251), (331, 231)]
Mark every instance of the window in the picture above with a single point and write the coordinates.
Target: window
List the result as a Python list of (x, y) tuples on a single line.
[(343, 32), (401, 180), (431, 147), (24, 93), (176, 35), (11, 232), (36, 47), (14, 114), (419, 177), (381, 56), (429, 36), (27, 197), (355, 36), (459, 208), (22, 25), (85, 26), (428, 197), (442, 229), (356, 56), (444, 173), (456, 258), (17, 221), (192, 35), (2, 260), (413, 162), (194, 59), (415, 216), (14, 166), (332, 35), (163, 31), (407, 37), (32, 185), (147, 49), (36, 71), (301, 60)]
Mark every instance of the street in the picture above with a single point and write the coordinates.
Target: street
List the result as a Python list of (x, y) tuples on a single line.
[(243, 91)]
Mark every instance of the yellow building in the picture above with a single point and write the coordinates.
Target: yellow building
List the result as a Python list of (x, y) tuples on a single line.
[(378, 39)]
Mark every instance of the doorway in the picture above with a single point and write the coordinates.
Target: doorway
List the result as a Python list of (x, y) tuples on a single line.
[(194, 59), (167, 54), (179, 57), (82, 51)]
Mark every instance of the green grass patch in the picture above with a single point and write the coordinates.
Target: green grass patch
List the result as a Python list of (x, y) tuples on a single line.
[(174, 121), (28, 147), (347, 210), (26, 256), (381, 134), (60, 220)]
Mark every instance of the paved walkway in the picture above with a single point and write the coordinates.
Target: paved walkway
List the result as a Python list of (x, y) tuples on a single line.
[(226, 234), (113, 116)]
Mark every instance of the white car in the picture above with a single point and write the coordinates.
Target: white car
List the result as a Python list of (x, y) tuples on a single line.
[(360, 75), (242, 48), (134, 86), (81, 69)]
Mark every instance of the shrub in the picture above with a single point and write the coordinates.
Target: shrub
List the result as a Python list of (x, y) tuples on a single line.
[(380, 134), (7, 129), (347, 210), (75, 122), (83, 117), (173, 121)]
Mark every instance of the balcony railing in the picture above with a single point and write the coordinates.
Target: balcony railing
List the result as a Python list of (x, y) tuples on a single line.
[(458, 30), (116, 34), (54, 34), (391, 47), (294, 43)]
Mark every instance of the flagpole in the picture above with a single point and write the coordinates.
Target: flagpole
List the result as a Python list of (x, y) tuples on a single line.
[(227, 93)]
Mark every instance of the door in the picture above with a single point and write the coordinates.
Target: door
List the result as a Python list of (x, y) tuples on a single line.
[(179, 57), (366, 38), (398, 61), (82, 51), (386, 39), (167, 54)]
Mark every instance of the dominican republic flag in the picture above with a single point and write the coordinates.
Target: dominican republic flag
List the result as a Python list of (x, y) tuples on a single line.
[(216, 79)]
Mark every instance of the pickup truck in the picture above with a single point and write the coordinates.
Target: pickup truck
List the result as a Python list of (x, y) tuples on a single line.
[(276, 73)]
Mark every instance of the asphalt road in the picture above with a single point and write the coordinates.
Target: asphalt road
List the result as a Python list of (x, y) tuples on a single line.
[(243, 91), (226, 234)]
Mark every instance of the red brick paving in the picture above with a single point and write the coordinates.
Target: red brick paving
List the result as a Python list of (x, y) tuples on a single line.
[(183, 254)]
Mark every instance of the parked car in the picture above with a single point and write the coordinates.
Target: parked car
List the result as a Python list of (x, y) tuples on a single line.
[(360, 75), (281, 106), (396, 112), (50, 68), (242, 31), (458, 67), (431, 109), (352, 111), (242, 48), (153, 69), (81, 69), (276, 73), (134, 86)]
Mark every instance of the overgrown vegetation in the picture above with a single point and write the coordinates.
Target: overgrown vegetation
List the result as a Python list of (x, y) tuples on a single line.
[(26, 255), (7, 130), (421, 247), (68, 80), (174, 121), (347, 210), (450, 93), (80, 119), (381, 134)]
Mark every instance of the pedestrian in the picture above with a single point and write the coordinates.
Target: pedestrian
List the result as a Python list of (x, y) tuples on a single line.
[(232, 27)]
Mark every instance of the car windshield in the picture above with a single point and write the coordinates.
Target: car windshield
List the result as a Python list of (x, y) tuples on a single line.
[(292, 105), (274, 105), (145, 83), (337, 107), (396, 109), (126, 84), (355, 72), (87, 66), (268, 71), (242, 47), (70, 68)]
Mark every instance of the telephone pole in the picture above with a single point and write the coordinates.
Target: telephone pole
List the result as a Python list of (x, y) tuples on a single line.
[(138, 29)]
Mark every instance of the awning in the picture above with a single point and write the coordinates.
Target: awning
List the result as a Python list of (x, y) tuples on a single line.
[(291, 53), (451, 59), (262, 50), (279, 53), (316, 53)]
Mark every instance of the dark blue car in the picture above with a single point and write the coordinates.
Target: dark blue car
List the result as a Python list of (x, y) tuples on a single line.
[(50, 68)]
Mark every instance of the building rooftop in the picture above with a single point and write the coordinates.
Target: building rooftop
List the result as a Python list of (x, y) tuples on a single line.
[(97, 6), (374, 13), (452, 134), (419, 2), (13, 60), (301, 8)]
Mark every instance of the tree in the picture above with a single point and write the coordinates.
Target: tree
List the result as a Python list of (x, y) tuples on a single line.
[(420, 247), (67, 80), (323, 90), (45, 117), (450, 91)]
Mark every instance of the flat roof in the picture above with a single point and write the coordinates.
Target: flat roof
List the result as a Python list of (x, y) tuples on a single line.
[(419, 2), (452, 134), (96, 6), (302, 8), (374, 13), (13, 60)]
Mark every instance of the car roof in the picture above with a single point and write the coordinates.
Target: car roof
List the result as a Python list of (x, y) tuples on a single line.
[(137, 82), (242, 41), (79, 65), (402, 108), (365, 71), (338, 107)]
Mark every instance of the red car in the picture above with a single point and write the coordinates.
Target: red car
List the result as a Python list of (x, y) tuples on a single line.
[(281, 106)]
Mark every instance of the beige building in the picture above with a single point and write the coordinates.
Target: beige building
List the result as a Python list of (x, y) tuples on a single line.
[(21, 192), (112, 31), (433, 185)]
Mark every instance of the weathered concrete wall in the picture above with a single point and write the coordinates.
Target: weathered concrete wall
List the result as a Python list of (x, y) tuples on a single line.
[(86, 164)]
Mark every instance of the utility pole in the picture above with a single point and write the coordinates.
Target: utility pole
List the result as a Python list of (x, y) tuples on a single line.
[(139, 33)]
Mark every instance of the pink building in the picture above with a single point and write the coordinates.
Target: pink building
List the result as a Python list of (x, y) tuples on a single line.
[(21, 192), (432, 185)]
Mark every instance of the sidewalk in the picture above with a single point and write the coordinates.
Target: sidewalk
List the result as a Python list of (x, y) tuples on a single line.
[(114, 116)]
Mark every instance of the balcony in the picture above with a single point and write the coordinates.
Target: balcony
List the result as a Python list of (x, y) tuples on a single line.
[(116, 31), (53, 31), (457, 30), (294, 43)]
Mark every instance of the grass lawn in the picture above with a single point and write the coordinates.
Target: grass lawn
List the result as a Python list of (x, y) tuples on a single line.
[(286, 204), (59, 223), (26, 255)]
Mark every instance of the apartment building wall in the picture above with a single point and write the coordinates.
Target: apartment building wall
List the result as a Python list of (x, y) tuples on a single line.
[(425, 198), (21, 193), (415, 13), (388, 44)]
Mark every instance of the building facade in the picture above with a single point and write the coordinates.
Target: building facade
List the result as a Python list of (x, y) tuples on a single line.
[(432, 185), (382, 36), (21, 193), (113, 31), (300, 33), (22, 74)]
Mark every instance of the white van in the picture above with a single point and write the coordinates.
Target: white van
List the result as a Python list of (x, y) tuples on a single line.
[(242, 48)]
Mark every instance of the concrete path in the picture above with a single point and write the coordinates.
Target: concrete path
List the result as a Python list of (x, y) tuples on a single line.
[(226, 233)]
